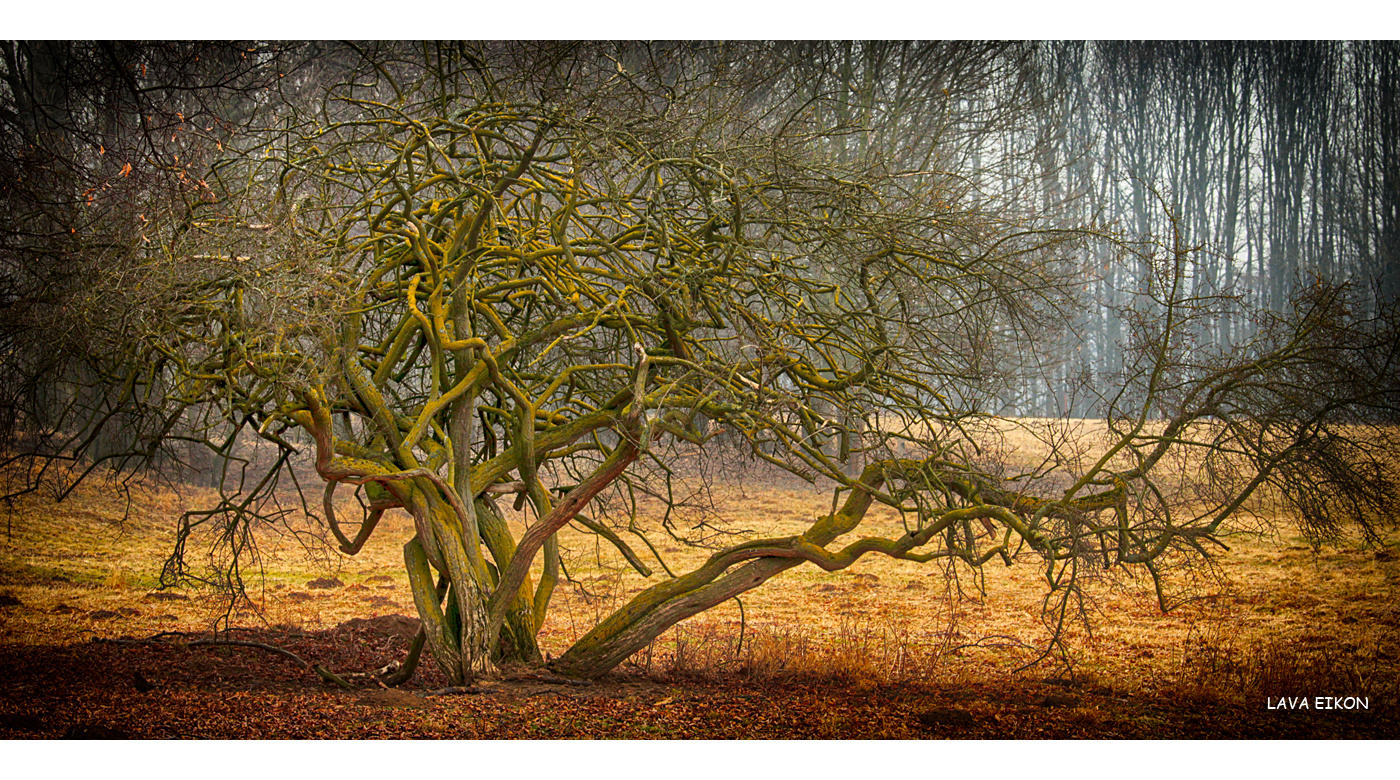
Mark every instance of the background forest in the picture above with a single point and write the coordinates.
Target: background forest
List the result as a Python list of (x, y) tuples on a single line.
[(1278, 158)]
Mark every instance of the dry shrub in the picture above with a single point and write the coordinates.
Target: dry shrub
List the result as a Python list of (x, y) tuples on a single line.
[(1218, 668), (118, 579), (859, 653)]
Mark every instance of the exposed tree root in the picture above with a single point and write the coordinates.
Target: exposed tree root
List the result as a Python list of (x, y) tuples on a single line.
[(545, 677)]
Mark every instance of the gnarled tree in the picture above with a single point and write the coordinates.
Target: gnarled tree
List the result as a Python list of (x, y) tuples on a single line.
[(459, 273)]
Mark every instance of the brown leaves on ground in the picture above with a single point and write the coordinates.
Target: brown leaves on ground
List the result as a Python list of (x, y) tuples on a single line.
[(95, 690), (885, 649)]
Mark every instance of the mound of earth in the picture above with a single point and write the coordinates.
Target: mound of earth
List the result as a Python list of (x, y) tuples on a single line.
[(400, 626)]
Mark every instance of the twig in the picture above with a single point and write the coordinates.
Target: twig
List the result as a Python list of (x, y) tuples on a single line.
[(985, 642), (320, 670), (331, 677), (549, 691), (259, 645), (155, 640)]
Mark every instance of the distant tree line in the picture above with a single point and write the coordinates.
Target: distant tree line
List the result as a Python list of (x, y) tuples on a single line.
[(1281, 159)]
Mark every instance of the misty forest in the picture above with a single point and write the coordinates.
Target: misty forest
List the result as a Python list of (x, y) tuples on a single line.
[(840, 389)]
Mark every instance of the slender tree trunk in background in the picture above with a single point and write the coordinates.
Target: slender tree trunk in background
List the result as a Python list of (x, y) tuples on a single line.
[(1379, 78), (1283, 155)]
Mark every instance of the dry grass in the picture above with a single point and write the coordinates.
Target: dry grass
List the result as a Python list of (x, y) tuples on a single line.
[(1274, 618)]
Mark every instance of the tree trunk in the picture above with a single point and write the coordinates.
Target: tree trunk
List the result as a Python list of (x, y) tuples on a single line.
[(661, 606)]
